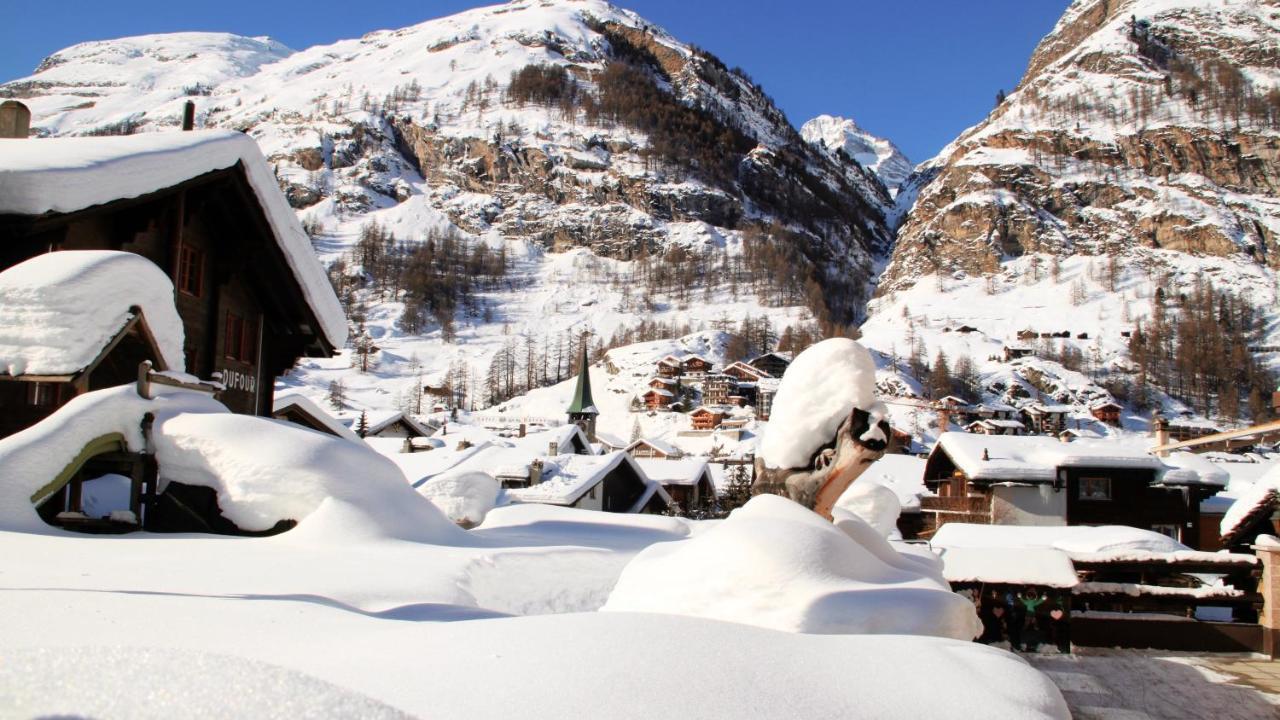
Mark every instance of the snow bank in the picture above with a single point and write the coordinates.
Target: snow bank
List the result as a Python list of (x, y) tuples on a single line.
[(818, 391), (66, 174), (874, 503), (263, 470), (464, 497), (1042, 566), (774, 564), (59, 310), (266, 471)]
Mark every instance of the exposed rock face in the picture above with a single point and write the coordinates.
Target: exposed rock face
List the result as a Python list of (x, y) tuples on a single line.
[(1137, 124), (425, 116)]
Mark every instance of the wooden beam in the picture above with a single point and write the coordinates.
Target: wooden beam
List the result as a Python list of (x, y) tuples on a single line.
[(1222, 437)]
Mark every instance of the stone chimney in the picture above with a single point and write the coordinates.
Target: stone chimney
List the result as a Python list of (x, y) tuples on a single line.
[(15, 120), (553, 449), (522, 430), (535, 472), (189, 116)]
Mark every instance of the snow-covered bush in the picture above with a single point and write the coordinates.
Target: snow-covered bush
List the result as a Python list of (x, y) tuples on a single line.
[(464, 497)]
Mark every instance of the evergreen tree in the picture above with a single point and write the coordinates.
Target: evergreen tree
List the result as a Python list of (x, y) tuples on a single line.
[(337, 394), (362, 425)]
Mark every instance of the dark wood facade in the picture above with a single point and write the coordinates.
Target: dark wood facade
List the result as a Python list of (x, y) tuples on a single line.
[(772, 364), (244, 313)]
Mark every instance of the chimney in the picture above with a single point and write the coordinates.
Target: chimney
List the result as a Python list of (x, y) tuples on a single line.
[(522, 430), (15, 120), (552, 449), (189, 116), (535, 472), (985, 455)]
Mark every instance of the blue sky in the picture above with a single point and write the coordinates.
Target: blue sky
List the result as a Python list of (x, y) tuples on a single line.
[(916, 71)]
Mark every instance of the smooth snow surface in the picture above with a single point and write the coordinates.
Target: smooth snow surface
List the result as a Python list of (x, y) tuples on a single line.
[(59, 310), (818, 391), (1043, 566), (873, 502), (775, 564), (66, 174)]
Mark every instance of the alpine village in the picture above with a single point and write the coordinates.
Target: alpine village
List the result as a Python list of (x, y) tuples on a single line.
[(528, 361)]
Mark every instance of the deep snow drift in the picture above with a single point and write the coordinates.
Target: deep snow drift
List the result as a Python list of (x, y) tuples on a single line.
[(775, 564)]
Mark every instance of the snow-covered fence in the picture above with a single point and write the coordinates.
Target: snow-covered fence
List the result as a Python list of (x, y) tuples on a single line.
[(499, 422)]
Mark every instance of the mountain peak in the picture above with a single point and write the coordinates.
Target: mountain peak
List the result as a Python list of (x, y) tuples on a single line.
[(872, 152)]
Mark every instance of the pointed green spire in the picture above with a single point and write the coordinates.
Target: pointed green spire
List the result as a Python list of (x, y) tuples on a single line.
[(583, 404)]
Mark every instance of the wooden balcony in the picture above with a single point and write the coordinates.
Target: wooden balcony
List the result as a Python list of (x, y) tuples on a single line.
[(971, 505)]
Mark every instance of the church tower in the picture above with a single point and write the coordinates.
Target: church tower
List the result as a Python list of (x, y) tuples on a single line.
[(582, 411)]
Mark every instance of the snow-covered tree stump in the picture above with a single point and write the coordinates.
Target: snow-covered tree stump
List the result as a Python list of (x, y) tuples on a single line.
[(825, 429)]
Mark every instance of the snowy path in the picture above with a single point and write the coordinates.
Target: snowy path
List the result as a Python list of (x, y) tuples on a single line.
[(1136, 685)]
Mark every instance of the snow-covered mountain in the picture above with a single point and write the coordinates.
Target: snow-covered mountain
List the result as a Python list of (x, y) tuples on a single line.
[(624, 176), (876, 154), (1137, 160)]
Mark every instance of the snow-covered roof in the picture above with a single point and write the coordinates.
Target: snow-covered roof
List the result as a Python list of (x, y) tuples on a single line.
[(60, 310), (998, 423), (659, 392), (1037, 458), (661, 446), (1040, 409), (566, 478), (682, 471), (610, 440), (62, 175), (563, 436), (1257, 499), (1082, 543), (903, 474), (664, 381), (1043, 566), (286, 402)]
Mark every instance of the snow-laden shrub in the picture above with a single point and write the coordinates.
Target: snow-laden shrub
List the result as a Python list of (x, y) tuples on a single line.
[(464, 498)]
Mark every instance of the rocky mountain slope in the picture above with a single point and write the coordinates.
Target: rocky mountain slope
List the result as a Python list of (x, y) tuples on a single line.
[(877, 154), (566, 123), (1139, 124)]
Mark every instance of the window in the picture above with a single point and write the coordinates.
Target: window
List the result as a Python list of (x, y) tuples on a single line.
[(41, 394), (592, 494), (240, 338), (190, 270), (1170, 531), (1094, 488)]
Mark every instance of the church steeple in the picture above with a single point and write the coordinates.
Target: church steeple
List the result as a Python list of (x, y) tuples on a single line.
[(582, 411)]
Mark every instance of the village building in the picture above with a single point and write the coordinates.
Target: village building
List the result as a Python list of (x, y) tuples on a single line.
[(582, 409), (389, 424), (205, 208), (657, 398), (608, 483), (652, 448), (717, 388), (1046, 419), (996, 427), (994, 411), (773, 363), (662, 383), (707, 417), (439, 398), (668, 367), (300, 410), (1106, 411), (688, 481), (744, 372), (695, 366), (1042, 481), (765, 391), (1013, 352), (608, 442)]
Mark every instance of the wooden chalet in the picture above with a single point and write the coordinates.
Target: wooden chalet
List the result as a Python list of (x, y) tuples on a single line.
[(649, 448), (668, 367), (608, 483), (694, 366), (1046, 419), (707, 417), (994, 426), (744, 372), (205, 208), (439, 397), (773, 363), (688, 481), (1013, 352), (1107, 412), (395, 425), (299, 410), (662, 383), (657, 398), (1030, 480)]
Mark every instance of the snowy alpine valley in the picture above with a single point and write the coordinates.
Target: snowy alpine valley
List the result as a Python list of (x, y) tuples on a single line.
[(530, 362)]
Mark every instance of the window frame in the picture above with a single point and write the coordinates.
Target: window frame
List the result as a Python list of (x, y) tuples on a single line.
[(190, 279), (1106, 484)]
